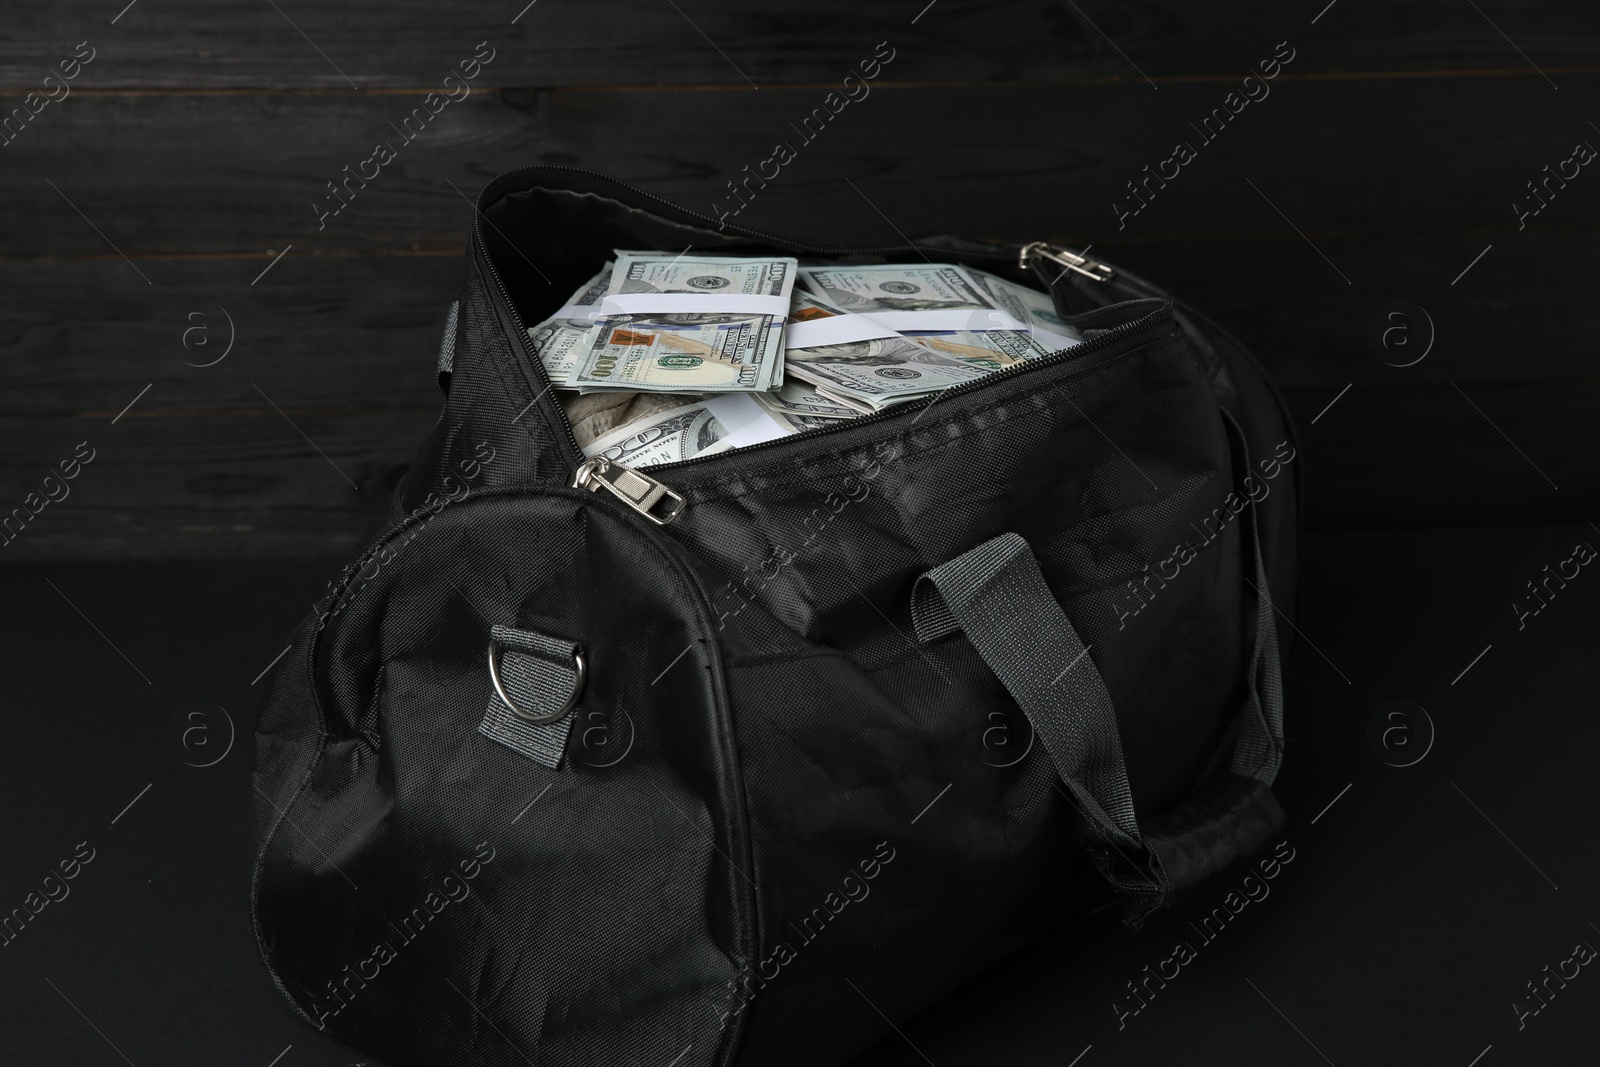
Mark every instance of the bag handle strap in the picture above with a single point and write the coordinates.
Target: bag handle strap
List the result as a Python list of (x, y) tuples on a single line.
[(996, 595)]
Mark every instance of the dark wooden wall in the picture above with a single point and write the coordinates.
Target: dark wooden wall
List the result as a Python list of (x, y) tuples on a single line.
[(190, 151)]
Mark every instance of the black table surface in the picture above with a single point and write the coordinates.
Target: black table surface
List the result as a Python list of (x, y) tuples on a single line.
[(1419, 904)]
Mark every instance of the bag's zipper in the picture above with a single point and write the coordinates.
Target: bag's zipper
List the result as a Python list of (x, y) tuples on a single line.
[(643, 493), (634, 488), (1037, 249), (1064, 355)]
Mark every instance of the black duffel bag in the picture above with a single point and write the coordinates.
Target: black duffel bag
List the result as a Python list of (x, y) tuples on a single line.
[(737, 759)]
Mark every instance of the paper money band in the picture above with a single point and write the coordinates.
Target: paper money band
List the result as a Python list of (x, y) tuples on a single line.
[(678, 304), (695, 304), (577, 311), (747, 422), (1052, 340), (834, 330), (976, 319)]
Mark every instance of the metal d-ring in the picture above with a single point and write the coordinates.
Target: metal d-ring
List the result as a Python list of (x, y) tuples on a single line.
[(523, 714)]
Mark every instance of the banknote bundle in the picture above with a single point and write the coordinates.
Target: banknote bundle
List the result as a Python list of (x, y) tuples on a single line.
[(745, 349), (687, 324), (558, 340), (940, 306), (706, 426), (1031, 306), (859, 363), (800, 404)]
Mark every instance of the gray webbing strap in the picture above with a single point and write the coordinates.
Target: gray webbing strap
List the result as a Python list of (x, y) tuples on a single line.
[(542, 675), (447, 346), (996, 595), (1259, 750)]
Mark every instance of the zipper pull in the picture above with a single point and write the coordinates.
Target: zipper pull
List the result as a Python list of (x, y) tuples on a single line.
[(1092, 269), (639, 491)]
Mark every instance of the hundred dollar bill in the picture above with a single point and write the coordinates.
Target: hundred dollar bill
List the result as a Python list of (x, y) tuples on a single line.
[(854, 360), (664, 353), (596, 287), (986, 349), (558, 340), (895, 287), (688, 324), (940, 306), (665, 437), (798, 423), (714, 424), (797, 397), (1037, 309), (862, 407)]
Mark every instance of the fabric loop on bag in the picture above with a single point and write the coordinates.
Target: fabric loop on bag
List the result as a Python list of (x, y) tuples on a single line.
[(996, 595), (447, 347), (542, 676)]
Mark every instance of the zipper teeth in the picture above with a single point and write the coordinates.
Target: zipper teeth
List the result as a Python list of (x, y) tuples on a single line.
[(1055, 358), (673, 209)]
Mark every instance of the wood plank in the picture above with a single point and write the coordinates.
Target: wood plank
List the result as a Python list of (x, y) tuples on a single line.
[(641, 42), (239, 484), (162, 174), (86, 336)]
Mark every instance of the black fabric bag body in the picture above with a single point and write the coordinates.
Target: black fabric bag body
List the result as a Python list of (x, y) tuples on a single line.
[(549, 780)]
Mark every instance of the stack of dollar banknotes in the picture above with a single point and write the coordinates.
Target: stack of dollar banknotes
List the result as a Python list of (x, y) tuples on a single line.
[(664, 357)]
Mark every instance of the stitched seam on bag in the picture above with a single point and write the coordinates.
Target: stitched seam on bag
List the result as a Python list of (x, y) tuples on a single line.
[(787, 467), (765, 659), (260, 869), (740, 836), (370, 736), (869, 667), (271, 838)]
